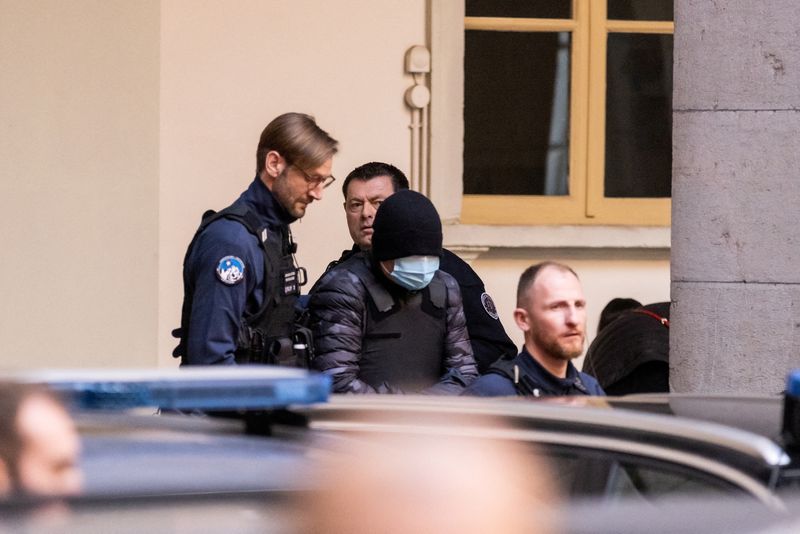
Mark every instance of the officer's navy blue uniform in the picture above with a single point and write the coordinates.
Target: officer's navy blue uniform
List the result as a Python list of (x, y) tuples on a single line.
[(218, 306), (486, 334), (531, 380)]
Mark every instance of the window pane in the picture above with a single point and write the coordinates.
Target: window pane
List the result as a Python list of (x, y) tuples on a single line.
[(639, 9), (665, 480), (516, 113), (639, 116), (577, 471), (535, 9)]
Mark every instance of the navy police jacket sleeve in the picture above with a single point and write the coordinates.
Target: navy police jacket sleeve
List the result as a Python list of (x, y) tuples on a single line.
[(592, 385), (459, 363), (218, 307), (486, 333), (491, 385)]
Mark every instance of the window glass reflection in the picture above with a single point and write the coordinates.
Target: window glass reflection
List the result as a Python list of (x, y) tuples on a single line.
[(537, 9), (638, 151), (516, 113), (640, 10)]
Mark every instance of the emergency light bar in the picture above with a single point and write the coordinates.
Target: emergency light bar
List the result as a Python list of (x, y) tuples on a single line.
[(791, 411), (241, 387)]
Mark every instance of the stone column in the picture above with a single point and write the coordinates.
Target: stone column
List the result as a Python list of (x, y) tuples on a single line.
[(735, 318)]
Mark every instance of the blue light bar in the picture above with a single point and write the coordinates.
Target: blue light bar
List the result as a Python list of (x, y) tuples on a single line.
[(791, 411), (250, 387), (793, 383)]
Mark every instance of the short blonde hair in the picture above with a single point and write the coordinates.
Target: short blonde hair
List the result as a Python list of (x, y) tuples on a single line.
[(297, 138), (528, 277)]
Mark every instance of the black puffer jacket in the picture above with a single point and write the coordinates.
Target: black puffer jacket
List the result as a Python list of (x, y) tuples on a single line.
[(339, 305), (486, 334)]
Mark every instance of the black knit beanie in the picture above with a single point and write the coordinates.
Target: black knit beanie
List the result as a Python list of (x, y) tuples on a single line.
[(630, 340), (406, 224)]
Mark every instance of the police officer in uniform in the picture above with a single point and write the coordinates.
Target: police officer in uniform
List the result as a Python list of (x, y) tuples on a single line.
[(551, 312), (240, 276), (388, 320), (364, 189)]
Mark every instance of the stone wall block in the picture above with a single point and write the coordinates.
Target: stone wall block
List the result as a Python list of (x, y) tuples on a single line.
[(737, 54), (733, 338), (736, 197)]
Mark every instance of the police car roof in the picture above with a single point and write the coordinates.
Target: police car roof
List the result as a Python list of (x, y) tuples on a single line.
[(251, 387)]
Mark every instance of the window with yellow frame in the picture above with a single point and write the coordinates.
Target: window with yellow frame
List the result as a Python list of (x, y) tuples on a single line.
[(567, 112)]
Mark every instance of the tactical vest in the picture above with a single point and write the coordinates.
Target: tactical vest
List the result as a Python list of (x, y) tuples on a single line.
[(269, 335), (524, 384), (404, 350)]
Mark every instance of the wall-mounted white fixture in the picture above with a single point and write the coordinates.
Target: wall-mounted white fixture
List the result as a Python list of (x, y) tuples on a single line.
[(418, 60), (418, 98)]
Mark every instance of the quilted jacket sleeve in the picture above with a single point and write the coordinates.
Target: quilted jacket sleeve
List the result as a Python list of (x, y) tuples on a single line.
[(459, 363), (337, 320)]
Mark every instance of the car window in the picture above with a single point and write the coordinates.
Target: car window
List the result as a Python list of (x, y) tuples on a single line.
[(579, 474), (655, 480), (583, 472)]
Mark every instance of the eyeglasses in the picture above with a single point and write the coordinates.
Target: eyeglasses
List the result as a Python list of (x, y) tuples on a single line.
[(357, 205), (314, 182)]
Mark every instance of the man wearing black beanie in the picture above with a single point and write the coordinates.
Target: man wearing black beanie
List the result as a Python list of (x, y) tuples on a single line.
[(409, 226), (364, 189), (387, 320)]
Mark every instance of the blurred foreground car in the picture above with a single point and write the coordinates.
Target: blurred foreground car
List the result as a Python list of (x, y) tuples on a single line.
[(600, 448), (186, 471)]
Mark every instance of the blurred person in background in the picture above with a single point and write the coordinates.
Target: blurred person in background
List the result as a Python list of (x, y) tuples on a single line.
[(39, 445), (551, 312), (614, 309), (401, 484), (631, 354)]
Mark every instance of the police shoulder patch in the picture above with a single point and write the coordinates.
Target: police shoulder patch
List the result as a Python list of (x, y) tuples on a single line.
[(488, 305), (230, 270)]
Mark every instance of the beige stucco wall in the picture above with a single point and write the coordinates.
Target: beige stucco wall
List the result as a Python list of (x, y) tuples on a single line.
[(78, 182), (123, 121)]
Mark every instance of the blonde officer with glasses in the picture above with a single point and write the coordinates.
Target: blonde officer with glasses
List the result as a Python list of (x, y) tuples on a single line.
[(240, 276)]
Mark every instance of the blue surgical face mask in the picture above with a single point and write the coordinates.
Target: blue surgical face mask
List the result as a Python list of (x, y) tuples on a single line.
[(414, 272)]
